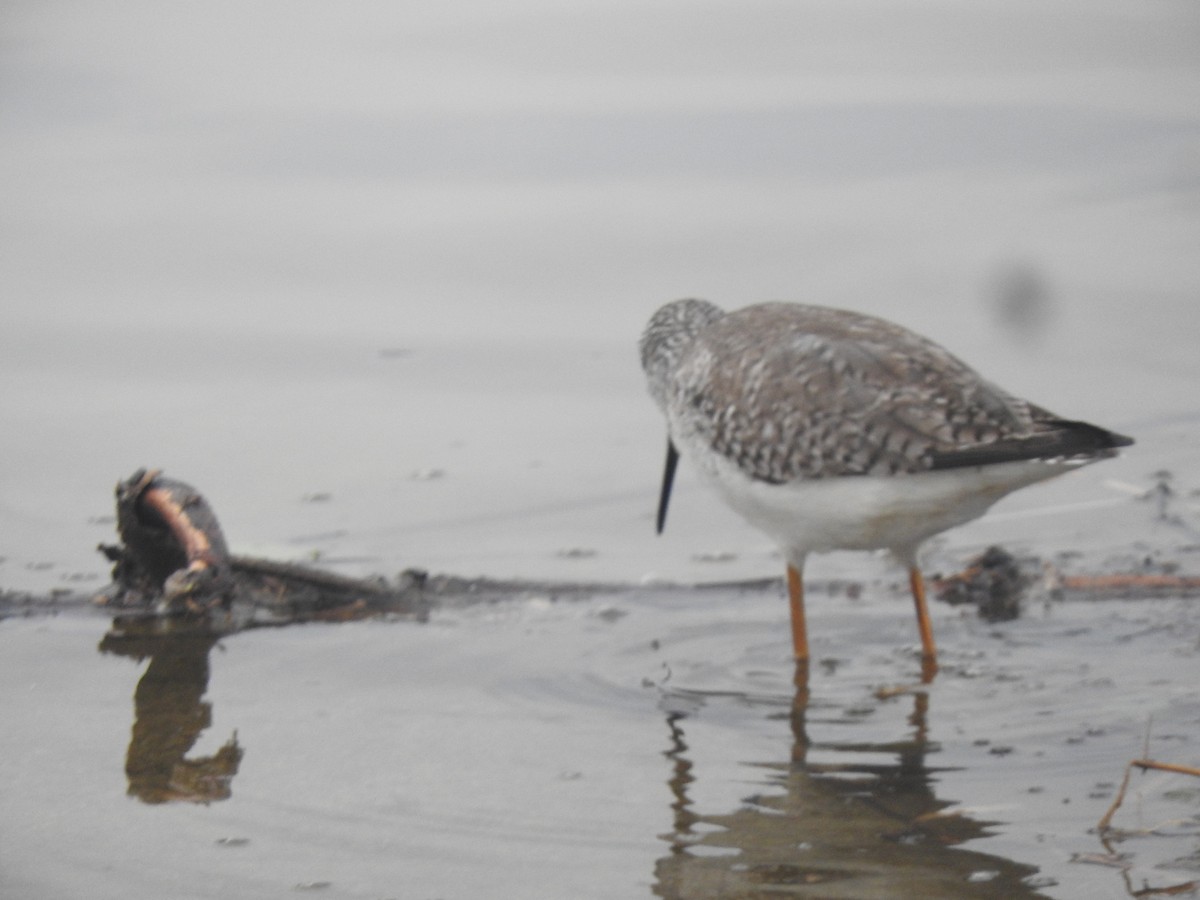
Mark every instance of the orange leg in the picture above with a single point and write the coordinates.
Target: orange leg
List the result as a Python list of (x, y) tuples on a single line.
[(928, 647), (796, 601)]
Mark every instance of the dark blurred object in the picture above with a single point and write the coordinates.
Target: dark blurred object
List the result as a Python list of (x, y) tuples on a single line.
[(174, 555), (993, 583), (173, 562), (1021, 300)]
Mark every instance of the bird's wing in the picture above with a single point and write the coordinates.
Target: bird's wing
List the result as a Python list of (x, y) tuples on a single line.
[(791, 392), (1052, 438)]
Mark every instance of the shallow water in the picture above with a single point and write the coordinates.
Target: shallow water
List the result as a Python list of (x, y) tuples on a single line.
[(650, 742), (372, 282)]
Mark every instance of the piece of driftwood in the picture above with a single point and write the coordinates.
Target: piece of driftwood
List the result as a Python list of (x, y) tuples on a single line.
[(173, 552), (1141, 583), (173, 560)]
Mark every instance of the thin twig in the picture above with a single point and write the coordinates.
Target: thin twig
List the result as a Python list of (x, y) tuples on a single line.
[(1142, 764)]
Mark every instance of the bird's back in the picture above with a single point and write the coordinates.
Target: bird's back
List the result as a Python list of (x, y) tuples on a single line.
[(791, 391)]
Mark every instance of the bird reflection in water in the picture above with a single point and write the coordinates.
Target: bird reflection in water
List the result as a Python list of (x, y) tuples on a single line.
[(170, 712), (853, 825)]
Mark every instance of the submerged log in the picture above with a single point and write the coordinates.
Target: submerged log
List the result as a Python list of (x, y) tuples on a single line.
[(173, 560), (993, 582), (174, 555)]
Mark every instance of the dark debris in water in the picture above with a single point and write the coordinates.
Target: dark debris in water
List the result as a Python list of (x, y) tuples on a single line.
[(997, 582), (172, 564), (993, 582), (172, 561)]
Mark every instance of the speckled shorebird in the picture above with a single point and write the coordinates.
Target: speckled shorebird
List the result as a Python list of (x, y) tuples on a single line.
[(831, 430)]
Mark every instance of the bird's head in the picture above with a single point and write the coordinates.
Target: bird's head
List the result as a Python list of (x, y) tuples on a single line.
[(667, 335)]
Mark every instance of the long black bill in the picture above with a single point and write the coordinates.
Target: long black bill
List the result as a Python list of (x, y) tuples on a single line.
[(664, 496)]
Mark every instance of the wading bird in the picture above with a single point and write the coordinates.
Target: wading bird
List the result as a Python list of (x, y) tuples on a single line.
[(832, 430)]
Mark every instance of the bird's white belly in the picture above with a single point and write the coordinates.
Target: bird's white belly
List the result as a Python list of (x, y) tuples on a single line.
[(869, 512)]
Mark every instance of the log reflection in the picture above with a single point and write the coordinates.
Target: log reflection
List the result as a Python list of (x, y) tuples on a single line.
[(863, 822), (170, 713)]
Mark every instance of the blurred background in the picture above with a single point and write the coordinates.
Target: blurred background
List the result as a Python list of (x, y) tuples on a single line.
[(371, 276)]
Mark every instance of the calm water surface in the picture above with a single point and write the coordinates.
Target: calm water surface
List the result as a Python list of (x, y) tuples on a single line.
[(635, 744)]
